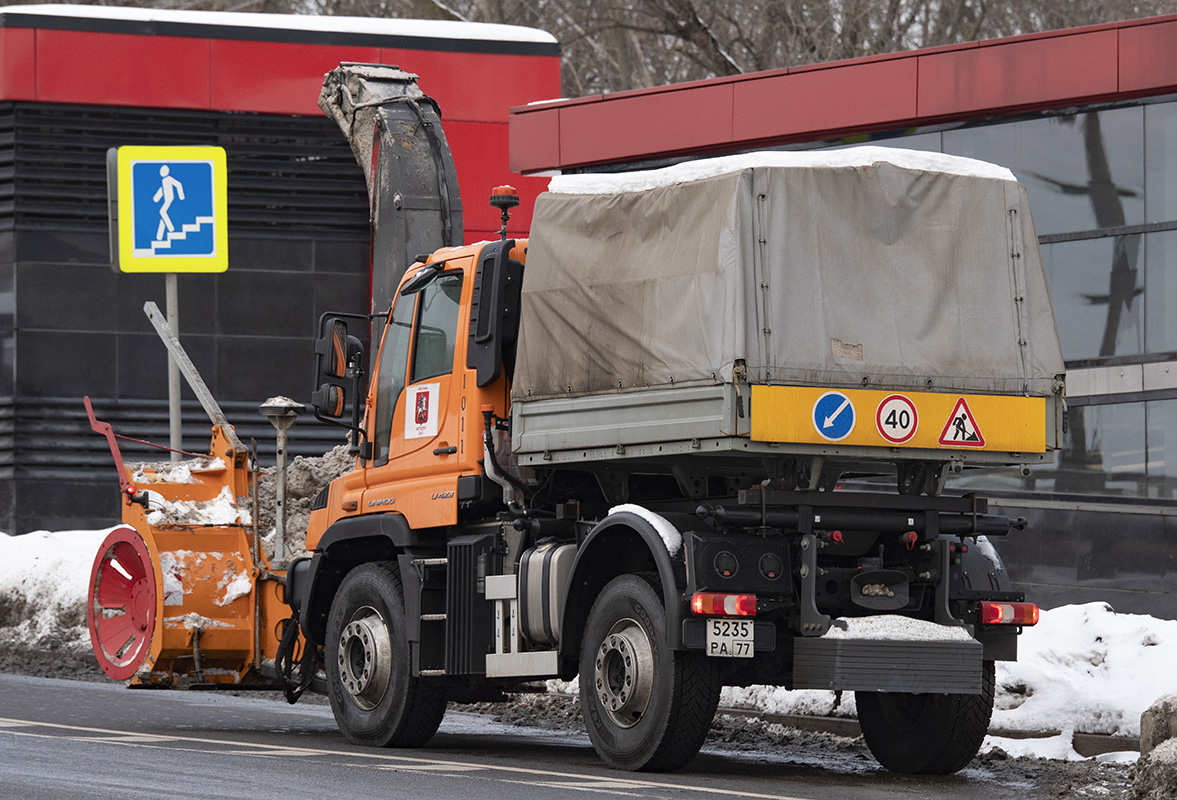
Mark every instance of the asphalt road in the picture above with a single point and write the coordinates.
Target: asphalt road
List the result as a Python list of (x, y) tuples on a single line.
[(66, 739)]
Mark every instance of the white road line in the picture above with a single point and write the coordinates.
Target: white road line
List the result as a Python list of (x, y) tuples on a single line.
[(389, 760)]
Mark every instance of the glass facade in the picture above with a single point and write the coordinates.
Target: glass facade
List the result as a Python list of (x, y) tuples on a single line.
[(1103, 191)]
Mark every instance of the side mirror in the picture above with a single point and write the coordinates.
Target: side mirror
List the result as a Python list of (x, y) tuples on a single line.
[(339, 372), (422, 278)]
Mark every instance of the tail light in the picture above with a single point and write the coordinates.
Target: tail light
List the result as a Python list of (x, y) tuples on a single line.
[(724, 605), (1009, 614)]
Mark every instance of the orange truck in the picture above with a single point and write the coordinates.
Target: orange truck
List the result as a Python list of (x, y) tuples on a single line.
[(696, 431)]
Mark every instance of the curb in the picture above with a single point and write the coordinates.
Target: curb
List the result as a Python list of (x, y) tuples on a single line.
[(1085, 744)]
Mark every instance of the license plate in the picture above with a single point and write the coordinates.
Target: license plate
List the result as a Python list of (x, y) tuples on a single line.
[(730, 638)]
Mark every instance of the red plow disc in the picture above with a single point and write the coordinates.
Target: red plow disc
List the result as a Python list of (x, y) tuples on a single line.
[(122, 603)]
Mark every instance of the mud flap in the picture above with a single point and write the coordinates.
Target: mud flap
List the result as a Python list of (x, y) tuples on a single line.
[(948, 667)]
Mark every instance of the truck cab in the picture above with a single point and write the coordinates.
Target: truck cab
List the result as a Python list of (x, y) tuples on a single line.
[(423, 421)]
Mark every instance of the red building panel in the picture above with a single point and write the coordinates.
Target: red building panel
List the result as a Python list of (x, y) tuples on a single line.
[(18, 73), (646, 124), (817, 100), (122, 69), (1148, 58), (534, 139), (480, 158), (275, 77), (964, 81), (475, 87), (1008, 75)]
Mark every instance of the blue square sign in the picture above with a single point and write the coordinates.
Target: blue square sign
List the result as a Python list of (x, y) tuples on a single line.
[(172, 209)]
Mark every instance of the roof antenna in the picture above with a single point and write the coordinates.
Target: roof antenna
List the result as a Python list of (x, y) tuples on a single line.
[(504, 198)]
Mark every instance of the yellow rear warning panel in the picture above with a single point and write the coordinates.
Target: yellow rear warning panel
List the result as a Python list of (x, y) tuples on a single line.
[(929, 420)]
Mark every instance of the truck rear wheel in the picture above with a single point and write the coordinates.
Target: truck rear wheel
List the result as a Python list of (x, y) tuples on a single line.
[(646, 706), (375, 698), (929, 734)]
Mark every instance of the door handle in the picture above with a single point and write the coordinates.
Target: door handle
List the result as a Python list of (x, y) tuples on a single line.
[(445, 451)]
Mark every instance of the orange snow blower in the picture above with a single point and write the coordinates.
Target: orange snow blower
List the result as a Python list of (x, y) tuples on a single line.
[(182, 591)]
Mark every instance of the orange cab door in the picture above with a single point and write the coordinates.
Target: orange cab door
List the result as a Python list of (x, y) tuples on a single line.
[(417, 417)]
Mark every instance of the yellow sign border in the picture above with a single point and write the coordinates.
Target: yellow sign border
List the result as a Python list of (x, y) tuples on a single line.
[(127, 261), (1009, 424)]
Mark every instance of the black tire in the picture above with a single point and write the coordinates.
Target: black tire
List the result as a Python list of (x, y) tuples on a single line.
[(927, 734), (376, 700), (646, 707)]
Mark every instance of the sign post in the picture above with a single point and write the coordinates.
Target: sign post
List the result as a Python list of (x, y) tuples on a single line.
[(169, 214)]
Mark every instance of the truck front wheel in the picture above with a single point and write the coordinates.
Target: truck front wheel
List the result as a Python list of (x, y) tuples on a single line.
[(375, 698), (929, 734), (646, 706)]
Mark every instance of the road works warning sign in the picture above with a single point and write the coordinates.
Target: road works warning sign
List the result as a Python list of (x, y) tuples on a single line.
[(172, 209), (961, 430), (825, 416)]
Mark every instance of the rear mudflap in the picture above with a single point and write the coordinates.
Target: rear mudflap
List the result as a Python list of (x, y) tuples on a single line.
[(876, 665)]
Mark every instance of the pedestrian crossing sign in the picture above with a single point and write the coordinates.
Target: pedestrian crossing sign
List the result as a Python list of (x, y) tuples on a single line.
[(172, 209)]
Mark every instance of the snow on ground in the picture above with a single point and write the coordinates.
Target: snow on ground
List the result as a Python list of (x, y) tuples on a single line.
[(43, 579), (1083, 668)]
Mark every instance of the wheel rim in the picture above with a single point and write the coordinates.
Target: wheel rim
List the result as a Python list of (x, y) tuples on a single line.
[(122, 604), (623, 673), (365, 658)]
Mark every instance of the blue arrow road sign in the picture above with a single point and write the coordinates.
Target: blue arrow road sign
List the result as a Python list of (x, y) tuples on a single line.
[(833, 416)]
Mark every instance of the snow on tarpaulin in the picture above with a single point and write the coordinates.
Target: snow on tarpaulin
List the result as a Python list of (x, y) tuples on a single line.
[(854, 157), (761, 260)]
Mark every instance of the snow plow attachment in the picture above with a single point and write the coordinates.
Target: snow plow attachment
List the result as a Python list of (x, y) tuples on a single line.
[(182, 591), (174, 592)]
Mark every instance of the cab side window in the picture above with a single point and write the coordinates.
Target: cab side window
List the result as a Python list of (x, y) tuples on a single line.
[(437, 328), (394, 356)]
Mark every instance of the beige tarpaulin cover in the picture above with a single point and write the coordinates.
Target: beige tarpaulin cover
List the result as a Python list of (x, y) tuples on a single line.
[(874, 271)]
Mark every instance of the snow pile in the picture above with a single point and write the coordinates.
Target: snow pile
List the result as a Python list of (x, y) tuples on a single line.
[(173, 471), (1087, 666), (305, 478), (1156, 773), (854, 157), (43, 582), (1083, 668), (221, 510)]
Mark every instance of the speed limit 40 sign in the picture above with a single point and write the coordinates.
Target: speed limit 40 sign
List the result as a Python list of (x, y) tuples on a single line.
[(897, 419)]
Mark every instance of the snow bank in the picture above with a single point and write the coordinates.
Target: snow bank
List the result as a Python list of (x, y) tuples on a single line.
[(616, 183), (43, 578), (1083, 668), (1087, 666)]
